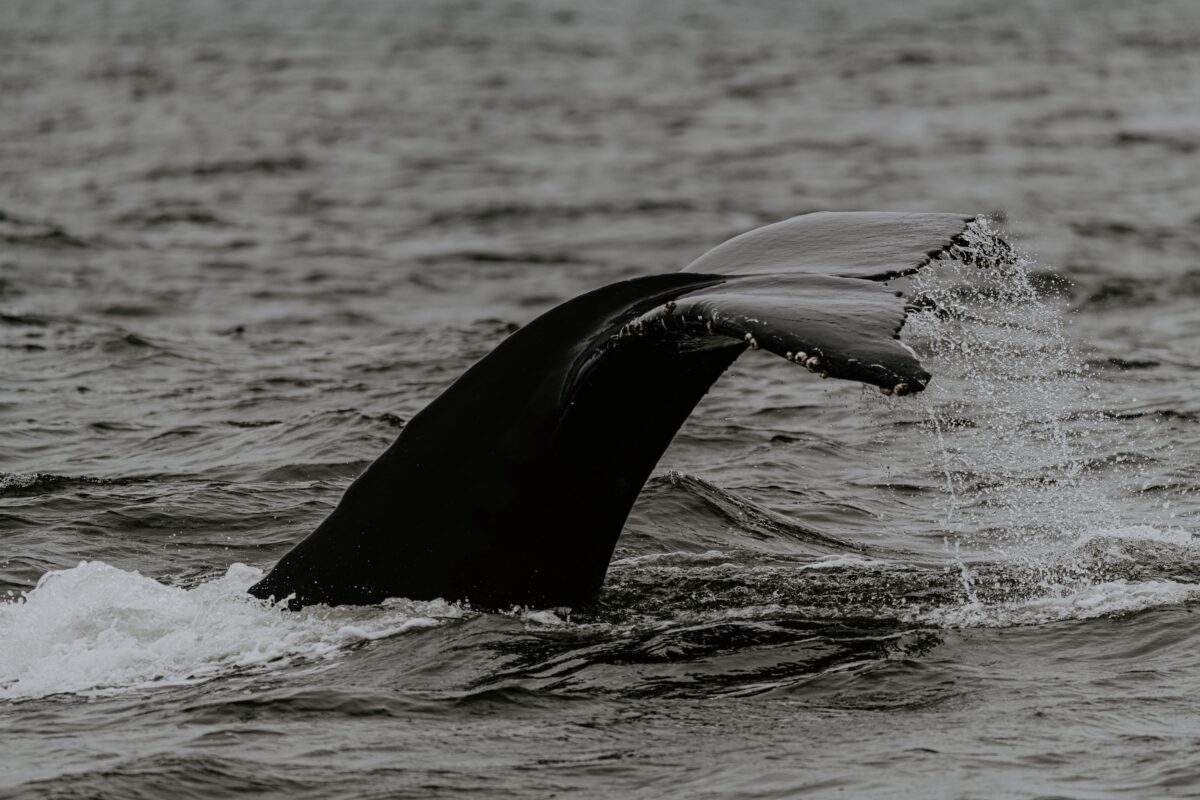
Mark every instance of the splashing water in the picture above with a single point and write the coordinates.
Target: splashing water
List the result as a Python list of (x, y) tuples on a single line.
[(1011, 412), (93, 628)]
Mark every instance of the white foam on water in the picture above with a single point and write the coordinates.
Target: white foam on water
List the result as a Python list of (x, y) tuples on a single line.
[(543, 617), (17, 480), (708, 557), (1141, 533), (1097, 600), (97, 629), (719, 558), (845, 560)]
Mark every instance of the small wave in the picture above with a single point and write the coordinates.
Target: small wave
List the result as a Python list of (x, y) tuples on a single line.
[(733, 558), (96, 629), (681, 559), (1140, 533), (22, 484), (1089, 602), (163, 214), (1183, 143), (267, 165), (676, 498), (495, 213), (119, 342), (26, 320), (544, 617), (1123, 364), (477, 256), (120, 346), (845, 561), (19, 230), (1124, 291)]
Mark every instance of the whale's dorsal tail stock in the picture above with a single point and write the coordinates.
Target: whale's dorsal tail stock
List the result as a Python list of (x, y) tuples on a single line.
[(512, 487)]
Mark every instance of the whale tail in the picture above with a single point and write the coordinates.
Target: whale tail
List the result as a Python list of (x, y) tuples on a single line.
[(512, 487)]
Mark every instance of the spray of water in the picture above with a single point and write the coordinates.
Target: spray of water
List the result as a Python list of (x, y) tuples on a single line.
[(1011, 412)]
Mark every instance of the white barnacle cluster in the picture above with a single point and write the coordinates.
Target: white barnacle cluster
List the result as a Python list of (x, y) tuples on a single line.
[(635, 328), (629, 329), (812, 363), (800, 357)]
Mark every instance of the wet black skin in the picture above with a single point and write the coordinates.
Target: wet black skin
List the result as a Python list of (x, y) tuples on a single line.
[(512, 487)]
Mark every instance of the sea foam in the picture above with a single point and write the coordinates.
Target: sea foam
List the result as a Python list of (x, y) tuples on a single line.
[(1110, 598), (97, 629)]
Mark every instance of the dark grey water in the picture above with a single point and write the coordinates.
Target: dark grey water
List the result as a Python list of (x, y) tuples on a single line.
[(240, 244)]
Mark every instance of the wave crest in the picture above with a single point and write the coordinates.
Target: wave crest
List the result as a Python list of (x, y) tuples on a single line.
[(96, 629)]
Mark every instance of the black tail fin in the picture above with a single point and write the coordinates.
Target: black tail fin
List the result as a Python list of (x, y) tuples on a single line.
[(513, 486)]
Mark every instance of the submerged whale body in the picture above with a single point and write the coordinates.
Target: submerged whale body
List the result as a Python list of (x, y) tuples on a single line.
[(512, 487)]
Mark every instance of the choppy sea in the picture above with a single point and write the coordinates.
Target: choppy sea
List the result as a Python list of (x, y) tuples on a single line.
[(242, 243)]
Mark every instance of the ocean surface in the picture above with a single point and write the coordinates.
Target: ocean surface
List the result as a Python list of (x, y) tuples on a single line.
[(242, 243)]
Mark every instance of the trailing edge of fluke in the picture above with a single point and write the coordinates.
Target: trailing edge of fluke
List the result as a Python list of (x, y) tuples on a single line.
[(512, 487)]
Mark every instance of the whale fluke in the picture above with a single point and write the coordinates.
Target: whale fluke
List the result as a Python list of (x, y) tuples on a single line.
[(848, 244), (512, 487)]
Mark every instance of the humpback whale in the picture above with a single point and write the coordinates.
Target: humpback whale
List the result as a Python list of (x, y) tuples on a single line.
[(512, 487)]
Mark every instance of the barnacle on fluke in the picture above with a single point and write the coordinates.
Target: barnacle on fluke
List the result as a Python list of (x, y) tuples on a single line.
[(512, 487)]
